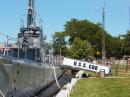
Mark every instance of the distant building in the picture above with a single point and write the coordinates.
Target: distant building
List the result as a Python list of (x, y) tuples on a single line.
[(7, 47)]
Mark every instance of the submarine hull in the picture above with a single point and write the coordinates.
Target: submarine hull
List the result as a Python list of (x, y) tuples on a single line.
[(23, 78)]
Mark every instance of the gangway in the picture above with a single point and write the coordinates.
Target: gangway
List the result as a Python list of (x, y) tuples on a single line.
[(83, 65)]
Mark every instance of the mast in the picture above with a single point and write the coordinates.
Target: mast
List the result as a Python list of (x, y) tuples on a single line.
[(129, 17), (31, 14), (103, 34)]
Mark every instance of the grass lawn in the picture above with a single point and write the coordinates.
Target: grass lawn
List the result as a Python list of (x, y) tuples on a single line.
[(104, 87)]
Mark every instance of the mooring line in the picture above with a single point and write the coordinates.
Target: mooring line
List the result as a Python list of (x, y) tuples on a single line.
[(56, 77), (2, 93)]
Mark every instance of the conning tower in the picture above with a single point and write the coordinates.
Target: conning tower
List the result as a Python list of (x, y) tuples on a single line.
[(30, 37)]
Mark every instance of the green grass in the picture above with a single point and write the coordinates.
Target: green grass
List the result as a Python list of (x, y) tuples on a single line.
[(121, 71), (104, 87)]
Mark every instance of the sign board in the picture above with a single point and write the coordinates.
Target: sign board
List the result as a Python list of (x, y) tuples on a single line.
[(77, 64)]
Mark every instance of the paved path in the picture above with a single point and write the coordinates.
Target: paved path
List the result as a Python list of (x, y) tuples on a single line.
[(110, 77), (116, 77)]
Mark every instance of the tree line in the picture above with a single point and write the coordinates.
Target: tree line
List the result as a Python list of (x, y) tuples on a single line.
[(83, 39)]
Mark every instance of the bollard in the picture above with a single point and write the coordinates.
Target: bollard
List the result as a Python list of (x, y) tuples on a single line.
[(102, 73)]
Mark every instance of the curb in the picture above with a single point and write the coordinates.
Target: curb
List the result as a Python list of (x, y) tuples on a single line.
[(68, 88)]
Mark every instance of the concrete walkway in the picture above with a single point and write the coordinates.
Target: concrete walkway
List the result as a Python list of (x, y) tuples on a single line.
[(110, 77), (116, 77)]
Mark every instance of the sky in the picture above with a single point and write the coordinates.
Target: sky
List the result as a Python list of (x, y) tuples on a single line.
[(55, 13)]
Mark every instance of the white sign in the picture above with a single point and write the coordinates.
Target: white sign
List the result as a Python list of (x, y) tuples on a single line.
[(76, 64)]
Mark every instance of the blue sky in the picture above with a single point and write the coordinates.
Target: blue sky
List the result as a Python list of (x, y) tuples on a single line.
[(55, 13)]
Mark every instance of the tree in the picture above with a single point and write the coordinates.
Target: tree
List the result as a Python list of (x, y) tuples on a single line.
[(126, 42), (80, 49), (113, 47), (59, 43), (85, 30)]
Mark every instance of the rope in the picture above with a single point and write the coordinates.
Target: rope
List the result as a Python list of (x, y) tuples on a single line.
[(56, 77), (2, 93)]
